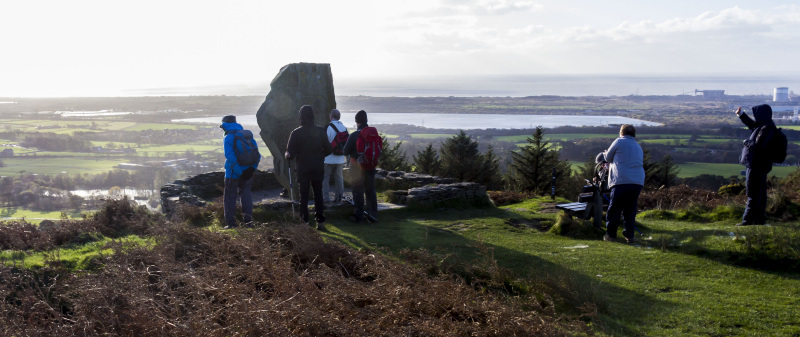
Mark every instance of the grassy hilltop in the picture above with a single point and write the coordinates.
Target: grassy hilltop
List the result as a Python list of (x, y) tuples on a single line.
[(72, 266), (517, 269)]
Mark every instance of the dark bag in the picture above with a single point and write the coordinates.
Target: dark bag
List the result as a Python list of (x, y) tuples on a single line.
[(339, 140), (369, 146), (777, 147), (248, 173), (245, 148)]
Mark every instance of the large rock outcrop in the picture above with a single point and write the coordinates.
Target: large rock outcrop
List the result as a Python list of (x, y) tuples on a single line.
[(296, 84)]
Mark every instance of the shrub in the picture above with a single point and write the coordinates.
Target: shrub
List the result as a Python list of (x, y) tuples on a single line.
[(732, 189), (267, 281), (501, 198)]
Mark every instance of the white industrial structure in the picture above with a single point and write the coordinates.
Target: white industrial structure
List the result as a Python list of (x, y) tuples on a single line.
[(781, 94)]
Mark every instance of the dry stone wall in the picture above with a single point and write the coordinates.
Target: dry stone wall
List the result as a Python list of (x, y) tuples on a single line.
[(472, 193), (195, 190)]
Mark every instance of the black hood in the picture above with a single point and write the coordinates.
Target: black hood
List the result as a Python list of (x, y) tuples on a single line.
[(763, 114), (306, 115)]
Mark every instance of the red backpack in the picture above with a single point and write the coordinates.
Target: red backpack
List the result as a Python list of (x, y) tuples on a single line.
[(369, 146), (339, 140)]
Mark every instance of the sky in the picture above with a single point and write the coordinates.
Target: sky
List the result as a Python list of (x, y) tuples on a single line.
[(104, 47)]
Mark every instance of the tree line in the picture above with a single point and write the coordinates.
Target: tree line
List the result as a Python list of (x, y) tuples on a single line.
[(531, 168)]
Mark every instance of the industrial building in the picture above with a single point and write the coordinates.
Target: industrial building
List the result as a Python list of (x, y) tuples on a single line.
[(781, 94)]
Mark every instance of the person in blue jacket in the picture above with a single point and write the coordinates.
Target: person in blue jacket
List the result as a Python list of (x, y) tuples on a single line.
[(238, 178), (626, 179)]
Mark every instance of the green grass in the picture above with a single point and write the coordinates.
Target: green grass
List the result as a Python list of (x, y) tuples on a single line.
[(725, 170), (117, 144), (430, 135), (34, 217), (56, 165), (76, 257), (556, 136), (638, 289), (159, 126), (791, 127)]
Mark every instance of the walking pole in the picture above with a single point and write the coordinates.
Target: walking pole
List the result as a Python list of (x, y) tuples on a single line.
[(291, 188)]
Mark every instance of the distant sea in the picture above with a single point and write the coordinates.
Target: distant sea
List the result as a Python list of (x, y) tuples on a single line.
[(520, 86), (459, 121)]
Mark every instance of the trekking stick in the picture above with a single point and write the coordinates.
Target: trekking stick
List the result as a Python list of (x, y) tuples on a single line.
[(291, 189)]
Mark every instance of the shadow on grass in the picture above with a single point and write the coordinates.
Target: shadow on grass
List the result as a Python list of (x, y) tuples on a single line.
[(401, 230), (770, 249)]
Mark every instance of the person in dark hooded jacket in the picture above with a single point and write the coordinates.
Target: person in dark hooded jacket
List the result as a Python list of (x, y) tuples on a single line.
[(238, 178), (309, 145), (755, 157)]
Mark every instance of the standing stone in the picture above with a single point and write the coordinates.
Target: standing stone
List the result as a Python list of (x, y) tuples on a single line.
[(296, 84)]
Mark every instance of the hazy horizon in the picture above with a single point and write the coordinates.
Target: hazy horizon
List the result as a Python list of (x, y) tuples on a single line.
[(515, 85), (87, 48)]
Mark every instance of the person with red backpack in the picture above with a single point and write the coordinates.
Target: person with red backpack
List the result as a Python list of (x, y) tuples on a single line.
[(334, 162), (364, 147)]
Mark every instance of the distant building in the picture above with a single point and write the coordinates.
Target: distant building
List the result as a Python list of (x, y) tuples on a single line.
[(781, 94), (711, 94)]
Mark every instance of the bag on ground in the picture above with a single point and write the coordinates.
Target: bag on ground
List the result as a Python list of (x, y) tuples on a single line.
[(339, 140), (369, 146)]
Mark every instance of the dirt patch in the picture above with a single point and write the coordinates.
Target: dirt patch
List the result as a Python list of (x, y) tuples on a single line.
[(548, 207), (525, 223), (458, 227)]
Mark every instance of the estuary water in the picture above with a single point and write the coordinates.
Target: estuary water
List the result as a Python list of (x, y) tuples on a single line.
[(460, 121)]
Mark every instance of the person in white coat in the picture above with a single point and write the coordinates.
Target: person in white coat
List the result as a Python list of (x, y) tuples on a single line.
[(334, 163)]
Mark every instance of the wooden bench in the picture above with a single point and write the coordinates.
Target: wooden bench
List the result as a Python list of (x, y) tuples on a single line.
[(589, 205)]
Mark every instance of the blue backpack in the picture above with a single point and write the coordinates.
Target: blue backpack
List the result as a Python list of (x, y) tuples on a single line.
[(245, 148)]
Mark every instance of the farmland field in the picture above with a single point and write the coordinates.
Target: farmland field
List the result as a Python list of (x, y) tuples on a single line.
[(57, 165), (725, 170)]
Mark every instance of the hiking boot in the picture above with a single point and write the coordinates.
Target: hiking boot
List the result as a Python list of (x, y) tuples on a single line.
[(230, 227), (744, 223), (609, 238), (355, 219), (630, 240), (320, 227)]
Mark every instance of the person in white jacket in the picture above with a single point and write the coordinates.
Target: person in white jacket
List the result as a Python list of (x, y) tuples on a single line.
[(334, 163)]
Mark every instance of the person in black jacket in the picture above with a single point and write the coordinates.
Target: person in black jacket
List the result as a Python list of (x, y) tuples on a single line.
[(309, 145), (755, 157), (362, 181)]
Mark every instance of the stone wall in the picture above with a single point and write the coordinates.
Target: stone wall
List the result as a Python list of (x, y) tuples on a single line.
[(408, 189), (472, 193), (197, 189)]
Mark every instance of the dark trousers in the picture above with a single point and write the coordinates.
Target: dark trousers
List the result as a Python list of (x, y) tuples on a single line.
[(234, 189), (756, 210), (319, 203), (623, 204), (363, 185)]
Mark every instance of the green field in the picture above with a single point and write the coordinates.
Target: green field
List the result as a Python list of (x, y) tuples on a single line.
[(556, 136), (725, 170), (34, 217), (159, 126), (56, 165), (430, 135)]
